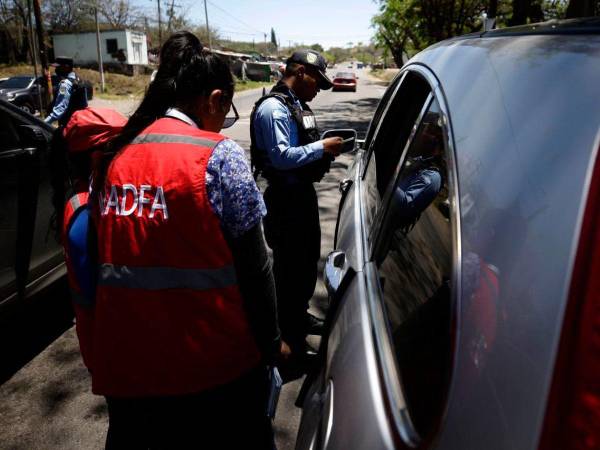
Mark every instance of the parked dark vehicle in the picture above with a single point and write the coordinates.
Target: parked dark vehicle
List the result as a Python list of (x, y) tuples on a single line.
[(23, 91), (345, 81), (464, 286), (30, 257)]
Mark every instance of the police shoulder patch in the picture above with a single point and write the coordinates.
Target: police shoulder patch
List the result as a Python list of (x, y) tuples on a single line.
[(62, 89)]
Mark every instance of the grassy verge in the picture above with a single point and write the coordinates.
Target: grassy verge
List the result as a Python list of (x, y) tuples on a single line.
[(246, 85), (386, 75), (117, 86)]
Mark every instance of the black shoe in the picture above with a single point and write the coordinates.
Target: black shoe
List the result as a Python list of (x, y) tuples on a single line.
[(314, 325)]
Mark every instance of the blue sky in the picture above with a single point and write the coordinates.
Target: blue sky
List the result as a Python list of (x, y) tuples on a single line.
[(328, 22)]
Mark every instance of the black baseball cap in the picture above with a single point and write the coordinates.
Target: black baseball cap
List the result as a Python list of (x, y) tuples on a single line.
[(312, 58), (62, 61)]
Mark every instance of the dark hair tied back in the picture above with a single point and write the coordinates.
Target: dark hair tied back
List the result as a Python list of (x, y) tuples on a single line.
[(185, 72)]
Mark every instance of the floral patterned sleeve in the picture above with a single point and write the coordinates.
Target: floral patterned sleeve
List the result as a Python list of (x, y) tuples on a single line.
[(232, 191)]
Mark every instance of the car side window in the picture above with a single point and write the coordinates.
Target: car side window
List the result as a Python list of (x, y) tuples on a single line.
[(390, 138), (414, 257)]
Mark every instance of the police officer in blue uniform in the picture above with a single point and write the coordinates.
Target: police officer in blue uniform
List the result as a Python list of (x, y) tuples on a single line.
[(287, 151), (69, 93)]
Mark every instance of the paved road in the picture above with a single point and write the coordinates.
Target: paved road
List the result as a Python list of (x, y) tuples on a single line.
[(46, 403)]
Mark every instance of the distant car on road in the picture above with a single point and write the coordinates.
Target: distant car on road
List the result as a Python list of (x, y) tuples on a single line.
[(345, 81), (23, 91), (30, 257), (465, 282)]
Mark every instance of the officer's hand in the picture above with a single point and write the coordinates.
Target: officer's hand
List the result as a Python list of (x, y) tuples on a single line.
[(333, 145)]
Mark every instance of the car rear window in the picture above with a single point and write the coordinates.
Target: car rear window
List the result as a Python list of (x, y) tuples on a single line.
[(16, 83), (345, 75)]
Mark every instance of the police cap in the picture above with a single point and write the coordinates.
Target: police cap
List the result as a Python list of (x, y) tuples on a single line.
[(62, 61), (312, 58)]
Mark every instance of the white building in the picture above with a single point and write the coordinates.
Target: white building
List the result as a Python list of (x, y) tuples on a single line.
[(117, 46)]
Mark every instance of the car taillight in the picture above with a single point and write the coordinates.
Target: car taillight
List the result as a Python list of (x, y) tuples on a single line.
[(573, 414)]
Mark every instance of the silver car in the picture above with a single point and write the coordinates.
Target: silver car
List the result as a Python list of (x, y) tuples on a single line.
[(464, 310)]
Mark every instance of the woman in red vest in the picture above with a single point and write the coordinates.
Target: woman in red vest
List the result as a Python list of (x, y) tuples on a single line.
[(185, 319)]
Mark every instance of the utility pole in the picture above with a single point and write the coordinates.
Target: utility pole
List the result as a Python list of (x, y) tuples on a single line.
[(33, 53), (159, 25), (265, 34), (39, 26), (98, 50), (207, 27)]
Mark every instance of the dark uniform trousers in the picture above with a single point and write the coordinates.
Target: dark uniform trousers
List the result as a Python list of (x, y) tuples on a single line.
[(293, 232), (232, 416)]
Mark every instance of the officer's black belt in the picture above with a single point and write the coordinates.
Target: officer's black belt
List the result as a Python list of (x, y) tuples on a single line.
[(156, 278), (173, 139)]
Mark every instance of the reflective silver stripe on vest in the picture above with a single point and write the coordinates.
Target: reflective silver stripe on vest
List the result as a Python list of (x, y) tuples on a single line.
[(173, 139), (75, 203), (155, 278)]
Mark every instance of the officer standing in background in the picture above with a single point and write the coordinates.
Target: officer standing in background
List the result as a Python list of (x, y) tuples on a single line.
[(287, 151), (69, 93)]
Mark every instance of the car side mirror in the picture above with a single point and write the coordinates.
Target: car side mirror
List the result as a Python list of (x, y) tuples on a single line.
[(348, 135), (33, 136)]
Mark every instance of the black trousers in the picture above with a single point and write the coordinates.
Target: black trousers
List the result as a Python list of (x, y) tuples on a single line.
[(232, 416), (293, 232)]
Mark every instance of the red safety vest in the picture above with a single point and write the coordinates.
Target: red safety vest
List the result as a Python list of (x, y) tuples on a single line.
[(84, 317), (169, 313)]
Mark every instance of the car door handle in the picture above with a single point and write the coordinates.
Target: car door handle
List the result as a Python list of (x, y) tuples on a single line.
[(334, 271), (345, 185)]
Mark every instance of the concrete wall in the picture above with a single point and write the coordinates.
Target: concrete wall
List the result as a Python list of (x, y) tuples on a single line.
[(82, 46)]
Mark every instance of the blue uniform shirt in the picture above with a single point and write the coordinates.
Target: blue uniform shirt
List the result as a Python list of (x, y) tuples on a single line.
[(276, 131), (63, 97), (231, 189)]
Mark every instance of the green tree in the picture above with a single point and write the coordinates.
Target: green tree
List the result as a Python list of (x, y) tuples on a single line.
[(583, 8), (406, 25), (273, 39), (398, 25)]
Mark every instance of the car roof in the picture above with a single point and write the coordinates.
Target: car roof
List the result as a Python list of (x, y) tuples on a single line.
[(345, 74)]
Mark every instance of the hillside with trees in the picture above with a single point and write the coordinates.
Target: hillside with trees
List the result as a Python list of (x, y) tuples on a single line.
[(405, 27)]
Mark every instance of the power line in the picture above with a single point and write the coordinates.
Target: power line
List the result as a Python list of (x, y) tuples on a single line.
[(235, 18), (238, 32)]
